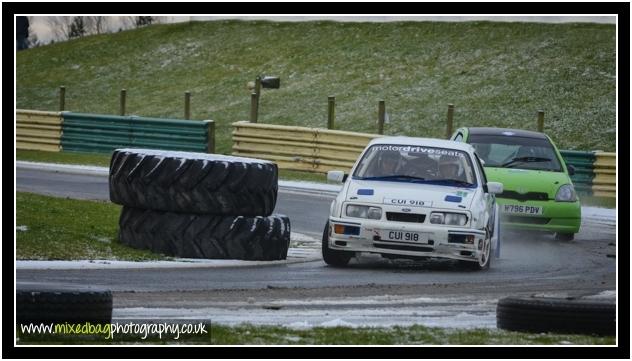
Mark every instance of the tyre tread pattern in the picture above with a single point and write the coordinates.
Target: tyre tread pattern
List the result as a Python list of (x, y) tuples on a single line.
[(556, 315), (190, 235), (205, 186), (47, 306)]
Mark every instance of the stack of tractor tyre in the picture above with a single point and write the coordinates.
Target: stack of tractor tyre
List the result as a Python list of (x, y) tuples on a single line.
[(197, 205)]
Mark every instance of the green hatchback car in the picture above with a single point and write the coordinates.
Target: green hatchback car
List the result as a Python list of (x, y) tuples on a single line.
[(538, 191)]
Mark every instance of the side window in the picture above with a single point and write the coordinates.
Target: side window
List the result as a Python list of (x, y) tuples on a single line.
[(459, 137)]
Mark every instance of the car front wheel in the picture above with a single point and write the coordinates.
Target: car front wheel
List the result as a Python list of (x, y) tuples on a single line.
[(331, 256), (485, 259)]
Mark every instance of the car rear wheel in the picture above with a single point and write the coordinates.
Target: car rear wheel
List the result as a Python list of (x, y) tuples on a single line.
[(564, 236), (331, 256)]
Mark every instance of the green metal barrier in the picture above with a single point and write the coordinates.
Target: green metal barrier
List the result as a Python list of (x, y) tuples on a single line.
[(103, 133), (584, 169)]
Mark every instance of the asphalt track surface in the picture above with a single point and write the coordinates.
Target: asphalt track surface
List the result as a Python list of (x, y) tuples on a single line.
[(530, 263)]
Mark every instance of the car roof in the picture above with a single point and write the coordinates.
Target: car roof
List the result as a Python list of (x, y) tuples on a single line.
[(505, 131), (424, 142)]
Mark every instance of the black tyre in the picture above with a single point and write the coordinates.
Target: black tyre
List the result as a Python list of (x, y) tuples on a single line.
[(556, 315), (331, 256), (189, 235), (44, 303), (564, 236), (193, 182)]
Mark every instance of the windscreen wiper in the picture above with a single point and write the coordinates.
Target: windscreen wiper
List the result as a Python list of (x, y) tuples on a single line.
[(457, 181), (526, 160), (395, 177)]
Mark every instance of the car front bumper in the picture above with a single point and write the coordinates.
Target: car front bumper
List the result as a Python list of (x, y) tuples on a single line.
[(563, 217), (441, 241)]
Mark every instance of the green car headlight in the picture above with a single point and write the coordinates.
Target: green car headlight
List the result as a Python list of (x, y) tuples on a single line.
[(566, 193)]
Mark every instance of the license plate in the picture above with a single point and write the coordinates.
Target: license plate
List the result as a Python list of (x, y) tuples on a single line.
[(403, 236), (522, 209)]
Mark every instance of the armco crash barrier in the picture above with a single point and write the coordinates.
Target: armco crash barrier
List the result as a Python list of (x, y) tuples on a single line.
[(299, 148), (605, 181), (595, 172), (104, 133), (320, 150), (37, 130), (584, 169)]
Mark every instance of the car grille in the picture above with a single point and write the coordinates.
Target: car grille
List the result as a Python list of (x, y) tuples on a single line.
[(526, 220), (530, 196), (401, 247), (405, 217)]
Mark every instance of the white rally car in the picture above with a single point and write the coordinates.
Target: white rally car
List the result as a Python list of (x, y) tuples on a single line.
[(413, 198)]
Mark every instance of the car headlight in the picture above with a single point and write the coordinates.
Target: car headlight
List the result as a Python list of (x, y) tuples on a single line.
[(453, 219), (566, 193), (357, 211), (436, 218)]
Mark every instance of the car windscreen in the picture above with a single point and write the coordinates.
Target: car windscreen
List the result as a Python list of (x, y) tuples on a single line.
[(416, 164), (502, 151)]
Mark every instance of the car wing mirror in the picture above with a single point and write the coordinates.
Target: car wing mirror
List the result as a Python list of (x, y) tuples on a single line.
[(494, 187), (571, 169), (337, 176)]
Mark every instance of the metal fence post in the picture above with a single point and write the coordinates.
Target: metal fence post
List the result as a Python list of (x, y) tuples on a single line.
[(449, 122), (258, 92), (258, 86), (331, 108), (123, 97), (380, 117), (211, 136), (253, 107), (62, 98), (187, 105), (540, 121)]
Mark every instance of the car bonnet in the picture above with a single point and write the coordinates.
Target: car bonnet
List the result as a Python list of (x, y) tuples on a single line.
[(523, 180), (410, 194)]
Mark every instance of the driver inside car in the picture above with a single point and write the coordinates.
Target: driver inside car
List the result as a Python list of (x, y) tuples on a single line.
[(388, 163), (449, 168)]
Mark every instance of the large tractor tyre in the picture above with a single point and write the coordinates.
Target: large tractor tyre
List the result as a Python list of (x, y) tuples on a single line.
[(190, 235), (334, 257), (46, 303), (557, 315), (193, 182)]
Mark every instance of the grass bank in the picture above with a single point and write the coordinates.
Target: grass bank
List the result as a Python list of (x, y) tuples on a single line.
[(50, 228), (496, 74)]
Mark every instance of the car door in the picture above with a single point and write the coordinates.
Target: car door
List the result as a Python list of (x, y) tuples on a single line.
[(489, 198)]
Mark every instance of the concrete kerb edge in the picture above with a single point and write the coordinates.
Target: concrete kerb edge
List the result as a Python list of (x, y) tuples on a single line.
[(177, 263)]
